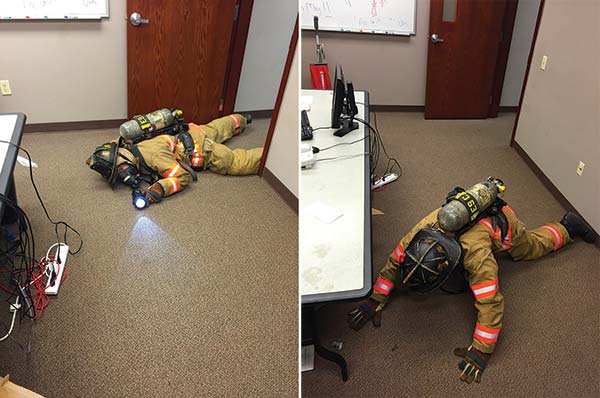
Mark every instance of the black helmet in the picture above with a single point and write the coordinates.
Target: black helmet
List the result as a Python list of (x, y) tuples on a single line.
[(431, 256), (111, 159), (103, 161)]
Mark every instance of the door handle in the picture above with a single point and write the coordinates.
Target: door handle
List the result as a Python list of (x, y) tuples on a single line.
[(136, 19), (436, 39)]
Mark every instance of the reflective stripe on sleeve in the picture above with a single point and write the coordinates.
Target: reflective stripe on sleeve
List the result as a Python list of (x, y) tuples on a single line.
[(485, 289), (382, 286), (236, 121), (486, 334), (173, 170), (399, 253), (174, 184), (558, 240)]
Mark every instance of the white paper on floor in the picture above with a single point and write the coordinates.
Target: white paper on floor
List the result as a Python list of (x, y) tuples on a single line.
[(25, 162)]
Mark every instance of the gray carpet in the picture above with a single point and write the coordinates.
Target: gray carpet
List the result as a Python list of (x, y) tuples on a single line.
[(549, 344), (193, 297)]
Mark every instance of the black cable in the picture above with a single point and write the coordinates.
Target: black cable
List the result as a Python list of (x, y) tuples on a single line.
[(343, 143), (342, 157), (376, 144), (58, 223)]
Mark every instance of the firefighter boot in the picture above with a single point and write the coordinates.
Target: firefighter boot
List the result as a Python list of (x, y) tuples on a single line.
[(575, 226)]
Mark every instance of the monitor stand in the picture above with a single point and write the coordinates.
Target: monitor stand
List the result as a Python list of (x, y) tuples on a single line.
[(348, 125)]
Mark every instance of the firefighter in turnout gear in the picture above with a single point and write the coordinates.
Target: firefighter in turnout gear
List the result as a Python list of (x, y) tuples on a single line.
[(172, 160), (420, 261)]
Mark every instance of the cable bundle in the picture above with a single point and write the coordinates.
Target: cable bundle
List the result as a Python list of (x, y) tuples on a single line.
[(23, 278)]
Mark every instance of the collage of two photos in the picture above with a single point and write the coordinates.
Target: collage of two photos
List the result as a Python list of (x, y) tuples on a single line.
[(299, 198)]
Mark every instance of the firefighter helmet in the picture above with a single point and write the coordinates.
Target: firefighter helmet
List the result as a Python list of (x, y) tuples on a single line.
[(431, 256)]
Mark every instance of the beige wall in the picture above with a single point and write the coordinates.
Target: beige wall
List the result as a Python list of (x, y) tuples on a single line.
[(66, 71), (394, 69), (560, 118), (282, 159)]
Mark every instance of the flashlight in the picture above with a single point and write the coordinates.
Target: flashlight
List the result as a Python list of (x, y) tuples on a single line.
[(139, 200)]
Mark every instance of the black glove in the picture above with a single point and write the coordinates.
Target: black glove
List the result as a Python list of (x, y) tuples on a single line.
[(155, 193), (369, 309), (472, 365)]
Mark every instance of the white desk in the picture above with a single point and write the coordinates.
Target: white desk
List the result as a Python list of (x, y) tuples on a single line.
[(11, 130), (335, 259)]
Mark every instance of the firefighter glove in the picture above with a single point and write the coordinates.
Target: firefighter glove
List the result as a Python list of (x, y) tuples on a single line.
[(155, 193), (472, 365), (369, 309)]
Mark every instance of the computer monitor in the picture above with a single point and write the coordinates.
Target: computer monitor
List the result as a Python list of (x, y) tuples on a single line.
[(339, 92), (343, 107)]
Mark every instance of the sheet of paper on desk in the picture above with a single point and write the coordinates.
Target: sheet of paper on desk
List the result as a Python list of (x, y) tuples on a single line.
[(305, 103), (324, 213)]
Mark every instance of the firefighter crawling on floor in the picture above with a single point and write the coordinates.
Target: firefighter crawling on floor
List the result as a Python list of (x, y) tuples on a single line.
[(462, 236), (158, 154)]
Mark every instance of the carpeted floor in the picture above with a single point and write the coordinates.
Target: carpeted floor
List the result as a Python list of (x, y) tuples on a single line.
[(193, 297), (549, 345)]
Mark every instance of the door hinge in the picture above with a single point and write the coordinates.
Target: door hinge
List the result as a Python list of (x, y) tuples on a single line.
[(221, 104), (236, 12), (490, 103)]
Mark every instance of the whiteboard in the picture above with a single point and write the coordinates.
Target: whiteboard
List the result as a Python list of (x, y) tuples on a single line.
[(53, 9), (390, 17)]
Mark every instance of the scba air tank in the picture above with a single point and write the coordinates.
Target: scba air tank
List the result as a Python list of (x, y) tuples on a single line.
[(141, 125), (464, 208)]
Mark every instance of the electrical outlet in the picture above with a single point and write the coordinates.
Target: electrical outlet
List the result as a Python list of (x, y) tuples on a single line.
[(5, 87), (580, 168), (544, 62)]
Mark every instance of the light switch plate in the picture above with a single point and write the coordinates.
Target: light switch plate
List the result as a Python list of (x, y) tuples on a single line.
[(544, 62), (5, 87)]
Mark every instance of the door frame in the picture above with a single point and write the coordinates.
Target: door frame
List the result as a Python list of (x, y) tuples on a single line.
[(533, 41), (508, 24), (237, 50)]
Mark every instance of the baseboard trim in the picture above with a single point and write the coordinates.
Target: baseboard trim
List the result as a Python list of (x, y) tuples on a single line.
[(421, 108), (260, 114), (73, 126), (397, 108), (287, 195), (548, 184)]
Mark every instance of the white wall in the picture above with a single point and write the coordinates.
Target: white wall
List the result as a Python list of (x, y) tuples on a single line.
[(520, 46), (66, 71), (282, 159), (269, 35)]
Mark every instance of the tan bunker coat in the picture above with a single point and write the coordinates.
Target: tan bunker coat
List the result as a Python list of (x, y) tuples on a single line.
[(163, 155), (479, 244)]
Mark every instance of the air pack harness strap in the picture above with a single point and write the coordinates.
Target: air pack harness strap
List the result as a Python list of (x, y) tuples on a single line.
[(188, 147)]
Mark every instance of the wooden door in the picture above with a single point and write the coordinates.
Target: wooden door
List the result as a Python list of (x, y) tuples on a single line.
[(179, 58), (464, 37)]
